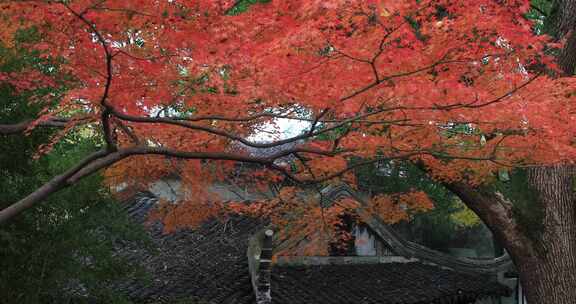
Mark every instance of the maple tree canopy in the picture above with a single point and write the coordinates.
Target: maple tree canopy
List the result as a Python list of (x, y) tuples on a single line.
[(463, 87)]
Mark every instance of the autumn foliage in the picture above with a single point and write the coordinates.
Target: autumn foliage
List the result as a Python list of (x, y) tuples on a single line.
[(180, 87)]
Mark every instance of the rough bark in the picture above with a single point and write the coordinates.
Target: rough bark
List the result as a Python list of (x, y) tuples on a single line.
[(549, 276), (567, 58), (563, 21)]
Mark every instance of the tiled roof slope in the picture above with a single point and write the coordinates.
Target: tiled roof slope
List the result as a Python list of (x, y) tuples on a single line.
[(207, 265), (389, 283)]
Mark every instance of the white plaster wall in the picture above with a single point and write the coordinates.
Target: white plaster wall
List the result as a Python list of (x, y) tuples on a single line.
[(365, 242), (171, 190)]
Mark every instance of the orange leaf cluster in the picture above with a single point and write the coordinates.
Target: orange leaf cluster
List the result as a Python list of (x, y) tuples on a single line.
[(462, 86), (399, 207)]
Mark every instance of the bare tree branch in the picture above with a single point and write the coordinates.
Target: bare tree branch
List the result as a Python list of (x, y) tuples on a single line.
[(107, 108), (18, 128), (55, 184), (55, 122), (105, 158), (494, 210)]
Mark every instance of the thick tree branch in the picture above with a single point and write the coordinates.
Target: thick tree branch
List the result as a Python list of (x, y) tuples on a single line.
[(105, 158), (129, 132), (18, 128), (54, 185), (496, 212), (229, 135)]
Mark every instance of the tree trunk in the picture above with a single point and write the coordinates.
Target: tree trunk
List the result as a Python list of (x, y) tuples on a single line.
[(545, 254), (567, 58), (562, 25), (563, 18), (547, 281), (549, 273)]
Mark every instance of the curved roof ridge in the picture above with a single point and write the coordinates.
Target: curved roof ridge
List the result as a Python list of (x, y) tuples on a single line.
[(410, 249)]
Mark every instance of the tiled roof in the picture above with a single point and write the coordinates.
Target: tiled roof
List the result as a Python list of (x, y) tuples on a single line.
[(209, 265), (389, 283)]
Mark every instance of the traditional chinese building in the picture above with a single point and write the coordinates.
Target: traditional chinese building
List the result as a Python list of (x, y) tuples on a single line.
[(229, 261)]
